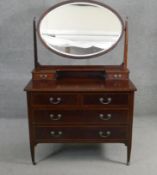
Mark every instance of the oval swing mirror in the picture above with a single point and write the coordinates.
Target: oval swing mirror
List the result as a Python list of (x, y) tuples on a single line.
[(80, 29)]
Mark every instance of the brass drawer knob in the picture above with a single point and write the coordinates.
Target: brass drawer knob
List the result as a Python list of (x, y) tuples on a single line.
[(116, 76), (43, 76), (55, 101), (55, 117), (105, 101), (56, 133), (105, 117), (104, 134)]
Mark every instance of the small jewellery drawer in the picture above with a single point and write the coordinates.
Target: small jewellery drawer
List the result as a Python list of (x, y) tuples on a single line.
[(76, 133), (44, 76), (106, 99), (75, 116), (53, 99)]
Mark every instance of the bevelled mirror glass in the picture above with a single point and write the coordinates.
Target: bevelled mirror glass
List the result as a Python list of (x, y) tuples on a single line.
[(80, 29)]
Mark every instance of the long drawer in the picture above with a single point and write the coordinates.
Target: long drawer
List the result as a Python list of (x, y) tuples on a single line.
[(76, 133), (98, 99), (47, 116)]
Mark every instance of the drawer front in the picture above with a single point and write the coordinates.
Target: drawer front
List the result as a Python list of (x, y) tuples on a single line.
[(44, 76), (56, 116), (54, 99), (80, 117), (106, 116), (106, 99), (78, 133)]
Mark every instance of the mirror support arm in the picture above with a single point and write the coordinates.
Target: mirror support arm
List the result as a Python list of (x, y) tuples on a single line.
[(125, 61), (36, 63)]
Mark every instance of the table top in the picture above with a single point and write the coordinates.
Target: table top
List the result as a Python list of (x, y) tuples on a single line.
[(80, 86)]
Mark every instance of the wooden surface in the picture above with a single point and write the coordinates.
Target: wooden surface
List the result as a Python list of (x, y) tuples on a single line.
[(75, 85)]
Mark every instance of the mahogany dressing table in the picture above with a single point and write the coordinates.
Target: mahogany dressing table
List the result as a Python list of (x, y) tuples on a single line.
[(80, 104)]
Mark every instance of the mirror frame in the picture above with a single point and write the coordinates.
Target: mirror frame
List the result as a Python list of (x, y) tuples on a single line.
[(74, 1)]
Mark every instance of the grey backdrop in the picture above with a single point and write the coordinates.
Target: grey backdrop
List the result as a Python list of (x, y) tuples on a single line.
[(16, 52)]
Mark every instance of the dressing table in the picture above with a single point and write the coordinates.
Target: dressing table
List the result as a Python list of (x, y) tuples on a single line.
[(80, 104)]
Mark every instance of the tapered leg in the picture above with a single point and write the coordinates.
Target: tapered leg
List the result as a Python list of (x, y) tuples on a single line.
[(128, 153), (32, 149)]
